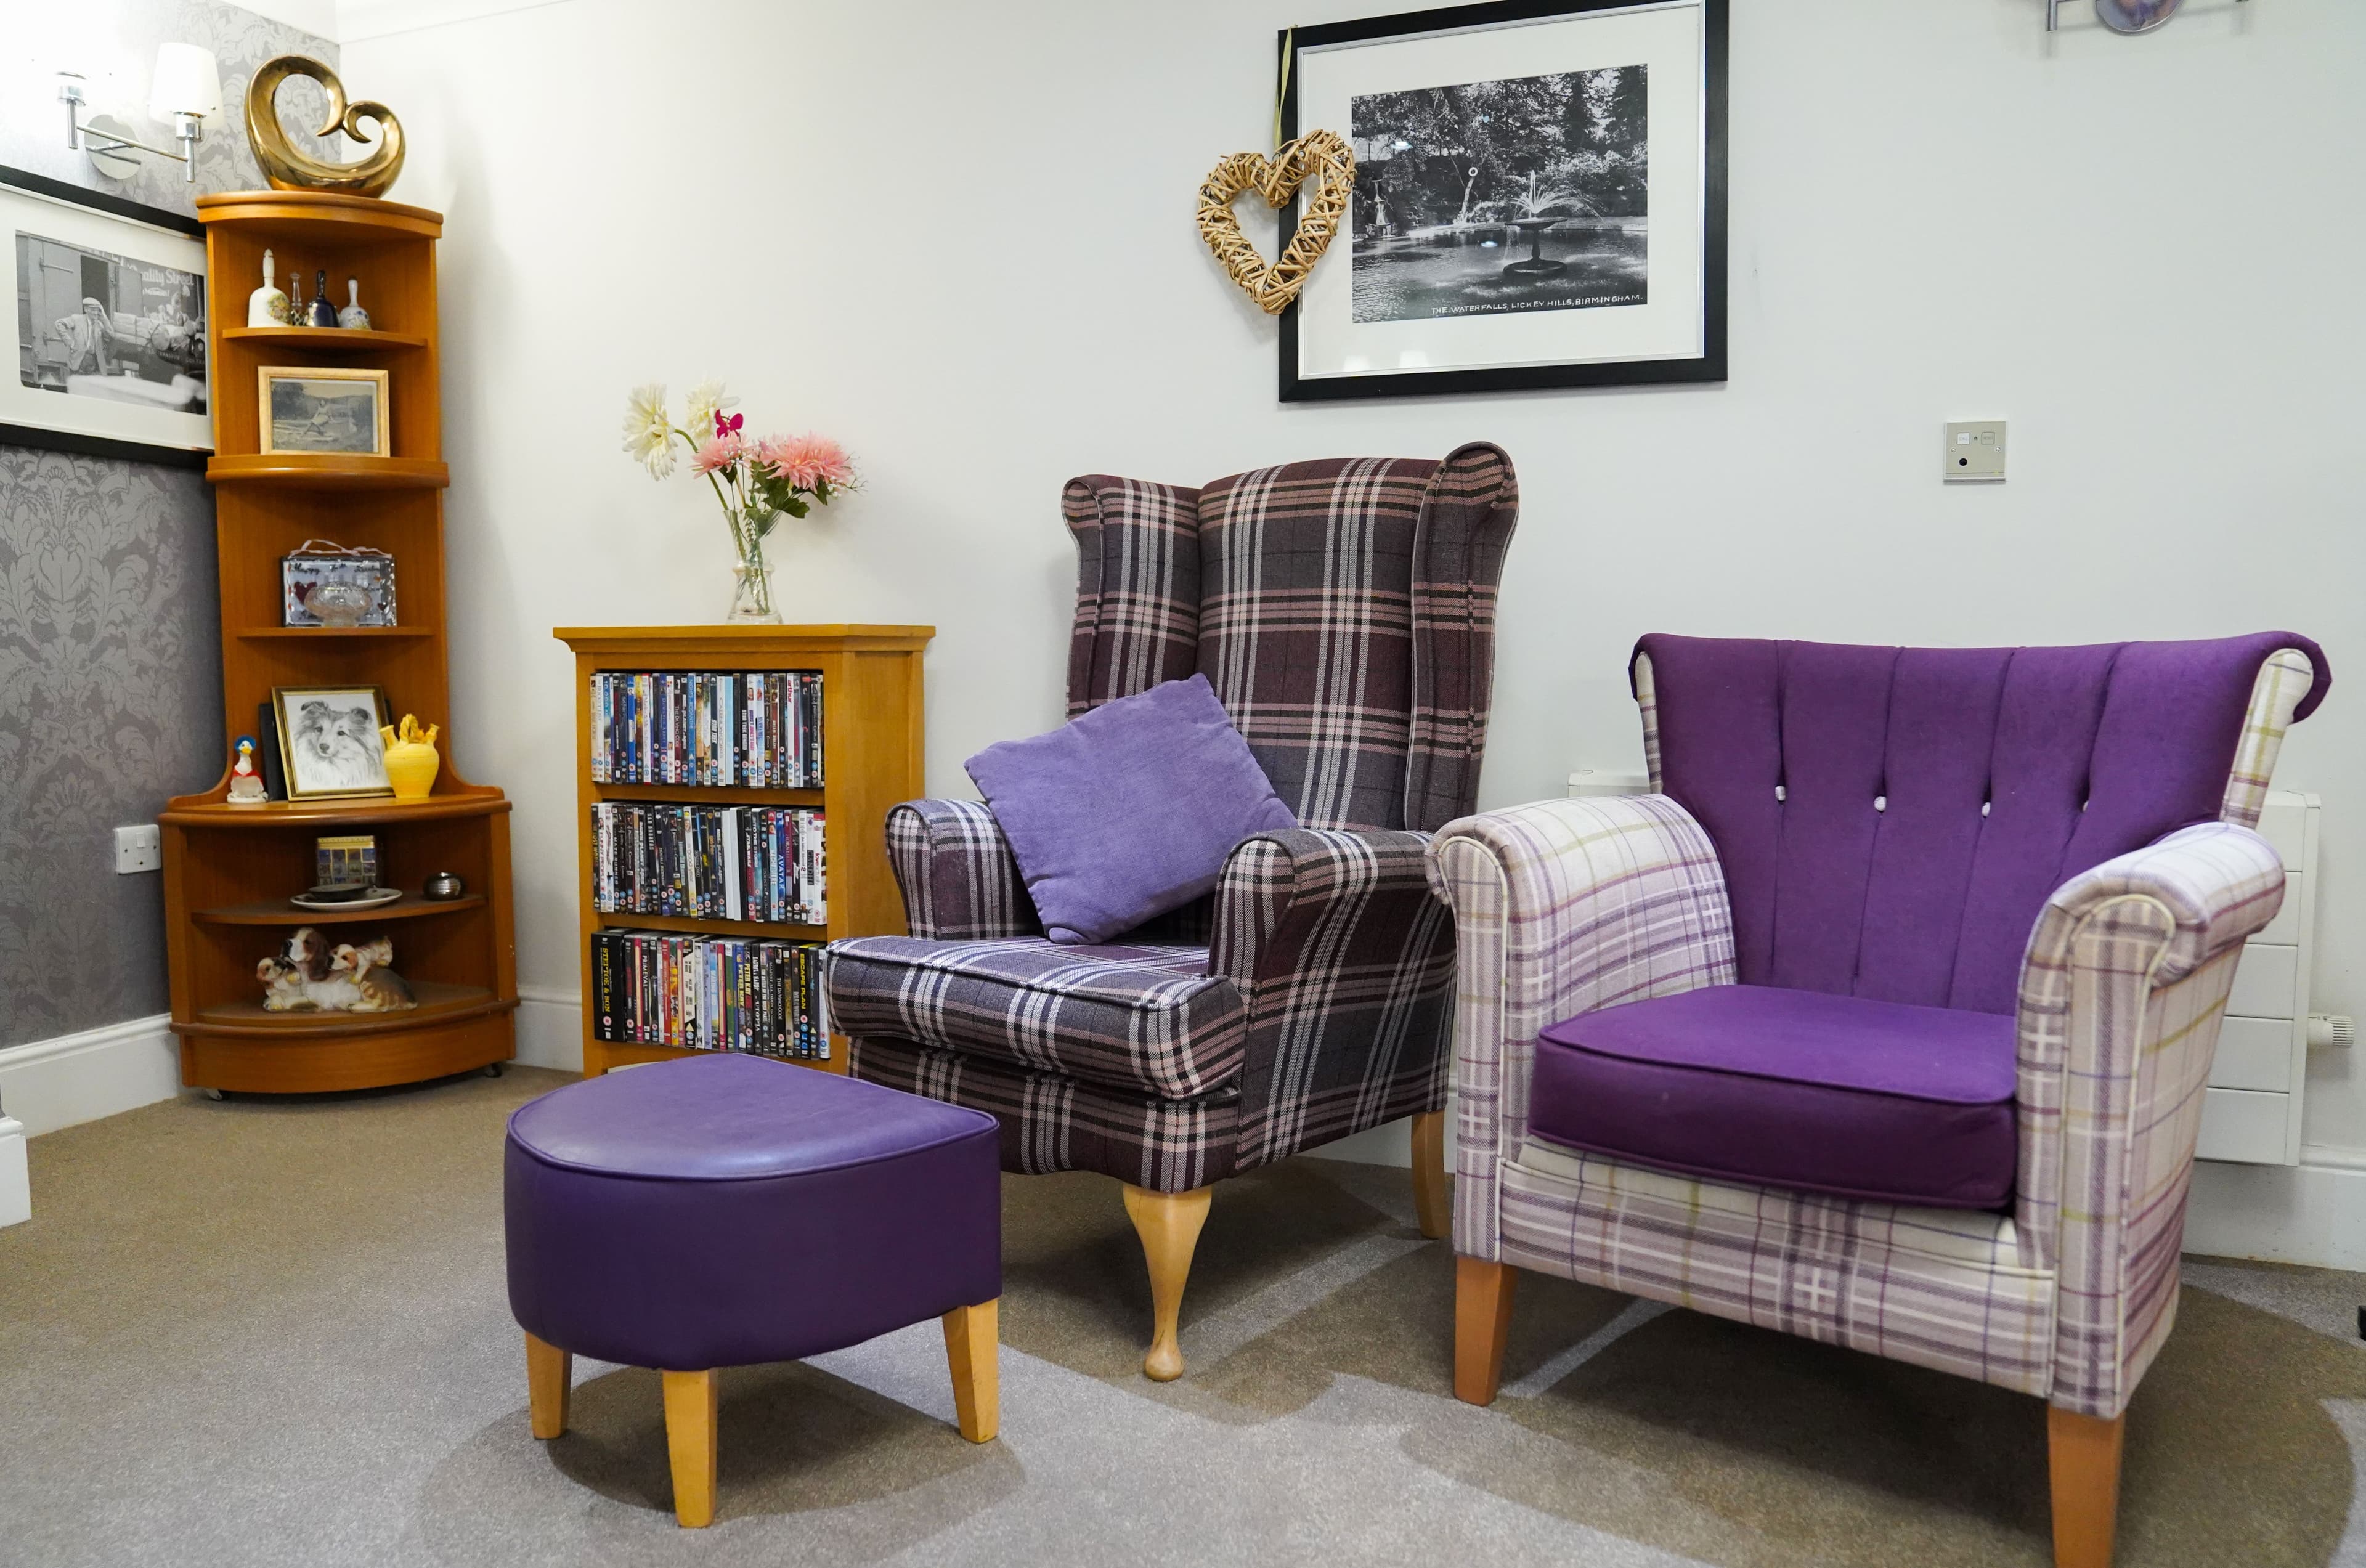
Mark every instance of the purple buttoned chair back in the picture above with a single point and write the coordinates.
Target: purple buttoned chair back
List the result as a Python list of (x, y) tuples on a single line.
[(1890, 821), (1344, 610)]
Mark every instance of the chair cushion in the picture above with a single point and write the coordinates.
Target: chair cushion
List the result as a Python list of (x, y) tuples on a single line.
[(1127, 811), (1798, 1089), (1148, 1019)]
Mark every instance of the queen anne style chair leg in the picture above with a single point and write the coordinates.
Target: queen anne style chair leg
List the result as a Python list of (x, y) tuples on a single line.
[(2085, 1455), (1429, 1174), (690, 1399), (1168, 1225), (973, 1350), (1482, 1320), (550, 1374)]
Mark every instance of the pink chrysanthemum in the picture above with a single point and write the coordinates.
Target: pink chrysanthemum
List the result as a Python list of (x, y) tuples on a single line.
[(807, 461), (719, 452)]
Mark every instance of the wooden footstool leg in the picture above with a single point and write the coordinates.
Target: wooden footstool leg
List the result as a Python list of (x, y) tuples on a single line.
[(690, 1439), (974, 1351), (550, 1374)]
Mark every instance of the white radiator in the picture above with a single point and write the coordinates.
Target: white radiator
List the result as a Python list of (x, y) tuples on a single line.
[(2251, 1110)]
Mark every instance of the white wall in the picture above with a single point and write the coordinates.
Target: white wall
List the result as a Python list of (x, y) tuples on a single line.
[(960, 238)]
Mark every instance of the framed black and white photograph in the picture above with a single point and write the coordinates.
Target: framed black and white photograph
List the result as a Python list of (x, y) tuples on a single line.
[(111, 353), (328, 740), (1540, 198), (323, 410)]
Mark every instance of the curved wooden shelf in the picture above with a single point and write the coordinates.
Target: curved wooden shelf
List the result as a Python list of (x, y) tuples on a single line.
[(336, 631), (280, 912), (328, 470), (321, 215), (203, 811), (331, 338), (438, 1004), (620, 919)]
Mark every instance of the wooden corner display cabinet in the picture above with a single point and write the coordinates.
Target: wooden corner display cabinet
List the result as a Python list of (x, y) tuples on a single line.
[(229, 870), (870, 758)]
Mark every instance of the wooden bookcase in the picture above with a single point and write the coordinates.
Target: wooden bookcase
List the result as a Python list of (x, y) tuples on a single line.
[(871, 760), (229, 870)]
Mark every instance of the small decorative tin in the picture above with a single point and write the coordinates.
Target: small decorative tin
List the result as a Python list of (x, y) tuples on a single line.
[(444, 885), (353, 572)]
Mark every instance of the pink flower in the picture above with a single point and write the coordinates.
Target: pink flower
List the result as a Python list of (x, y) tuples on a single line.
[(719, 452), (807, 461)]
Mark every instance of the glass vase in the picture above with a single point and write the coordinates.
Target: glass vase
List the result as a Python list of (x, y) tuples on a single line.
[(751, 585)]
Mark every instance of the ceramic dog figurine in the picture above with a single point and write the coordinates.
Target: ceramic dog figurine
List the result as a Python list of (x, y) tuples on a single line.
[(377, 989), (285, 989)]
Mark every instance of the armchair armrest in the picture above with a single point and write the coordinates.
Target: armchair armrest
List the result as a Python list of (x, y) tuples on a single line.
[(1346, 962), (2120, 996), (959, 880), (1562, 906)]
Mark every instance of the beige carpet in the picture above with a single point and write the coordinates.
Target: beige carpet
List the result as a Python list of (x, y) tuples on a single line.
[(273, 1332)]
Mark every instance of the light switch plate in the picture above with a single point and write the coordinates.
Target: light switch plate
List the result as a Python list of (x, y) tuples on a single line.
[(1974, 451), (138, 848)]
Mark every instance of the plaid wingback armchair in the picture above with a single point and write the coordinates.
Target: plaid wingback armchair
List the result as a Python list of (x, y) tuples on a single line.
[(1886, 1019), (1344, 610)]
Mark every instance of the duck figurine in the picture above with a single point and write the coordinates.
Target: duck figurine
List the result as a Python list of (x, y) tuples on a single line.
[(246, 784)]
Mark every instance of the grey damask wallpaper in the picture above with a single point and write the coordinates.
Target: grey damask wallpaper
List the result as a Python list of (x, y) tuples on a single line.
[(110, 668)]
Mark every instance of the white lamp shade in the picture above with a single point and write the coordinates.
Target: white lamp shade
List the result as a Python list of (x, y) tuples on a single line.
[(187, 82)]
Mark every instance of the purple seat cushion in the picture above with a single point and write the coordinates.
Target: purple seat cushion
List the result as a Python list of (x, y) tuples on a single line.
[(1127, 812), (718, 1211), (1798, 1089), (1890, 821)]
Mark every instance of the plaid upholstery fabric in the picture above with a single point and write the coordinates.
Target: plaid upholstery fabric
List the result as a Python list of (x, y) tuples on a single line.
[(954, 868), (2121, 999), (1052, 1121), (1137, 587), (1347, 964), (1942, 1288), (1146, 1019), (1466, 526), (2285, 681), (1562, 906)]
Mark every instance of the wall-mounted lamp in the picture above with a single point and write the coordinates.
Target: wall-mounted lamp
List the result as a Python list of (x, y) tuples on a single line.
[(187, 89), (2122, 15)]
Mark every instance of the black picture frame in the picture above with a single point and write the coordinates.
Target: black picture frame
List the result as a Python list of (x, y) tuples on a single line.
[(1709, 366), (80, 443)]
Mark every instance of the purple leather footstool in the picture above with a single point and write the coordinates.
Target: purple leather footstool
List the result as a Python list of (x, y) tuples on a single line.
[(718, 1211)]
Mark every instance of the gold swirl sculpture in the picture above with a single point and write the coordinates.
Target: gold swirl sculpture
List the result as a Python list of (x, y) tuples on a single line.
[(289, 169), (1319, 156)]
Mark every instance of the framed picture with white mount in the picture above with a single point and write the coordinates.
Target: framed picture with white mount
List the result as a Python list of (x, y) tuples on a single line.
[(1540, 198)]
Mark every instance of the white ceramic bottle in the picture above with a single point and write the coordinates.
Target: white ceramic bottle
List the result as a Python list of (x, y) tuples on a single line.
[(353, 318), (266, 307)]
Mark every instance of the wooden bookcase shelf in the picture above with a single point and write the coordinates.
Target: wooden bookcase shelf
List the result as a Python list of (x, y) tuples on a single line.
[(228, 869), (871, 760)]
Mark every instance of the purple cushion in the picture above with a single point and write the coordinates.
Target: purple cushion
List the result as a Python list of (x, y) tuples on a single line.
[(717, 1210), (1797, 1090), (1933, 799), (1127, 812)]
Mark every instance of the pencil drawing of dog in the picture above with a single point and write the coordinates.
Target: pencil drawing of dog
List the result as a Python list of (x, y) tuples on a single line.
[(337, 747)]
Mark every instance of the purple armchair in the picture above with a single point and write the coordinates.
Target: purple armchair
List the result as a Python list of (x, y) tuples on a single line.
[(1344, 610), (1886, 1020)]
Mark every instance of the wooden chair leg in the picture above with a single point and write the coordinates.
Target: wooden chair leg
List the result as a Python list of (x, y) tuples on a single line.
[(973, 1350), (2084, 1452), (689, 1442), (1168, 1225), (1482, 1320), (549, 1376), (1429, 1174)]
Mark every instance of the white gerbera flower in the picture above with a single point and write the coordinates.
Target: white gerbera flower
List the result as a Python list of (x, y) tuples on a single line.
[(706, 399), (648, 436)]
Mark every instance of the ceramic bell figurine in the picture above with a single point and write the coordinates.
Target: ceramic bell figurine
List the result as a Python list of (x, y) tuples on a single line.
[(267, 306), (323, 313), (353, 318), (245, 783), (411, 758)]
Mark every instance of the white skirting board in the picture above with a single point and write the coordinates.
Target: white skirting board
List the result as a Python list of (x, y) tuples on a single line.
[(50, 1084), (2312, 1212), (549, 1028), (15, 1180)]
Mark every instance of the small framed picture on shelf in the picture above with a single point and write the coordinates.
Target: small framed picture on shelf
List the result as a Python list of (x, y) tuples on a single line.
[(330, 408), (323, 583), (328, 740)]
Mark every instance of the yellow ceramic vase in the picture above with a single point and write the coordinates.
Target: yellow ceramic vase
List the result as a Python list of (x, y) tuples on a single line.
[(411, 758)]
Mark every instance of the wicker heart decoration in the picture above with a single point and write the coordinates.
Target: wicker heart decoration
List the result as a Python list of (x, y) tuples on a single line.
[(1319, 156)]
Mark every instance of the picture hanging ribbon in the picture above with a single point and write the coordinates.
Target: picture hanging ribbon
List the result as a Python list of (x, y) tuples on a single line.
[(1319, 156)]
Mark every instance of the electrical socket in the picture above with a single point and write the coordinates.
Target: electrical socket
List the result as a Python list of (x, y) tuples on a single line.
[(138, 849)]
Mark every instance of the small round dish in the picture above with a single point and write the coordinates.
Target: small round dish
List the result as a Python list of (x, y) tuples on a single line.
[(2134, 15), (378, 897)]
